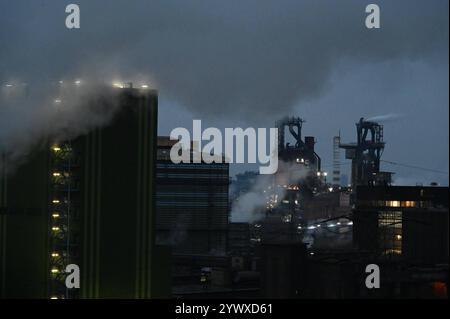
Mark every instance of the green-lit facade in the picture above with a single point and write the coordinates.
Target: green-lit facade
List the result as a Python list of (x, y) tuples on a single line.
[(89, 201)]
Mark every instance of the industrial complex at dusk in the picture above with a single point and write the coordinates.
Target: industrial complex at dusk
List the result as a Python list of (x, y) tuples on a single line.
[(141, 226), (221, 157)]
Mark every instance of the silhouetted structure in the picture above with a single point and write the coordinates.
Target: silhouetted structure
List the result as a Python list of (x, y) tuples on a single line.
[(88, 201), (366, 155)]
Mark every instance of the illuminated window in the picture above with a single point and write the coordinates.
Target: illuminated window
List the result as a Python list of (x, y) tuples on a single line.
[(409, 203), (390, 232), (392, 203)]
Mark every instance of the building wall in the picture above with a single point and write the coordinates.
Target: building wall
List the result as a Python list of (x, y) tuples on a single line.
[(24, 231), (406, 222), (192, 205), (115, 215), (283, 270)]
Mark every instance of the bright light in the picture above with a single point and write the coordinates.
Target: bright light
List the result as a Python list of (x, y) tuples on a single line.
[(56, 174), (55, 215), (330, 189), (55, 270), (55, 228), (53, 297), (118, 85), (311, 227), (325, 173), (398, 237), (332, 225), (318, 225), (61, 82), (318, 173), (56, 148), (350, 223), (58, 101), (311, 253), (338, 223), (145, 86), (78, 82), (55, 201), (55, 255)]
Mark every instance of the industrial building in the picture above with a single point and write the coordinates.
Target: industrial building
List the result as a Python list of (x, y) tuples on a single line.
[(192, 204), (298, 178), (366, 155), (192, 217), (409, 223), (402, 229), (88, 201)]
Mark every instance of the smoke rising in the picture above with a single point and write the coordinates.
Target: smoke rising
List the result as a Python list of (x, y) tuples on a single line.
[(250, 60), (34, 115), (217, 57), (384, 118), (251, 206)]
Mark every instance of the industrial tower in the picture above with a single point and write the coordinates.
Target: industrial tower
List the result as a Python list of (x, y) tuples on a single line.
[(366, 155)]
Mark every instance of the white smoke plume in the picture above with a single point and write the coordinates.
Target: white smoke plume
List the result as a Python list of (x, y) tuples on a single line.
[(31, 115), (250, 207), (384, 118)]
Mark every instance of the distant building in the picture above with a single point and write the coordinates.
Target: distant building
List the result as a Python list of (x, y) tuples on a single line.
[(88, 201), (344, 180), (192, 204), (366, 155), (405, 222), (328, 205)]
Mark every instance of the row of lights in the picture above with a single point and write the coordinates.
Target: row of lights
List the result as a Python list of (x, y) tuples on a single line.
[(10, 85), (78, 82), (312, 227), (122, 85)]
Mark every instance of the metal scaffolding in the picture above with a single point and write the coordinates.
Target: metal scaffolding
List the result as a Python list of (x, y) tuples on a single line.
[(62, 246)]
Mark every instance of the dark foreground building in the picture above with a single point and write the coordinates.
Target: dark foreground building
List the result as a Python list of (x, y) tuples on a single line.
[(192, 217), (192, 204), (406, 222), (89, 201)]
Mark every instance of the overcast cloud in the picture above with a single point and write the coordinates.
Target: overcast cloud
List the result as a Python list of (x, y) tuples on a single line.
[(250, 62)]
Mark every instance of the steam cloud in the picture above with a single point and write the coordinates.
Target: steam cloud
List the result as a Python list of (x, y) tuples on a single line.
[(217, 57), (384, 118), (250, 207), (247, 59), (30, 116)]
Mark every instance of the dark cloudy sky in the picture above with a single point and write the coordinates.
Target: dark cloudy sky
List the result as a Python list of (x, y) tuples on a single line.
[(249, 62)]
